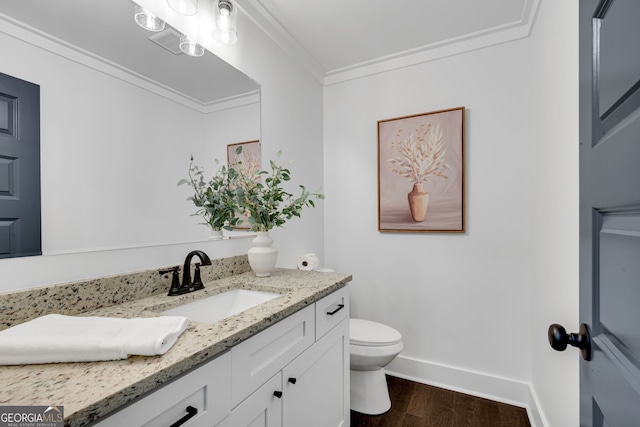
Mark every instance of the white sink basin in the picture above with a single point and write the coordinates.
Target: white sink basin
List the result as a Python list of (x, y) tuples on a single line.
[(221, 306)]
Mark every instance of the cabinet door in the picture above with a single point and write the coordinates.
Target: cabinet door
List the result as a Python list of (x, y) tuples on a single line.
[(262, 409), (316, 383)]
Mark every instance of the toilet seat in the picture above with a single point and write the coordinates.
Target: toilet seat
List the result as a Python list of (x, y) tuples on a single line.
[(367, 333)]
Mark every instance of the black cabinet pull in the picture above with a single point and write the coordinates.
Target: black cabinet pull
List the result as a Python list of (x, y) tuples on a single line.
[(340, 307), (191, 412), (277, 394), (292, 380)]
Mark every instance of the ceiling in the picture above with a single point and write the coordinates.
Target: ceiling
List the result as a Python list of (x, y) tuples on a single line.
[(331, 35), (340, 34)]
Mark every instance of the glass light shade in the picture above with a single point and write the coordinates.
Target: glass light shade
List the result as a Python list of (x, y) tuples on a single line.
[(225, 22), (147, 20), (184, 7), (190, 47)]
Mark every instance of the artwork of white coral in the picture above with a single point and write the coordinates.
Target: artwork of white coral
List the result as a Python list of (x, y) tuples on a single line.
[(422, 154)]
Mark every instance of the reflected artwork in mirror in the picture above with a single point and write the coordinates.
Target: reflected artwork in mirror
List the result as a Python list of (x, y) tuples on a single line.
[(122, 110)]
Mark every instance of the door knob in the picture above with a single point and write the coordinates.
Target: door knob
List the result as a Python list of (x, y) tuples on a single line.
[(559, 338)]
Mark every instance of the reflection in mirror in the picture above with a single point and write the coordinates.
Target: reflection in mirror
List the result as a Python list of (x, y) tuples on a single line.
[(122, 110)]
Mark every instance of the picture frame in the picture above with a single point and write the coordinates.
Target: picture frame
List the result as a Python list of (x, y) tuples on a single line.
[(251, 158), (421, 172)]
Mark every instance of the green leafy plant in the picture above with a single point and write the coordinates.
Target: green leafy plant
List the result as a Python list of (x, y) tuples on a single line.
[(263, 199), (215, 198)]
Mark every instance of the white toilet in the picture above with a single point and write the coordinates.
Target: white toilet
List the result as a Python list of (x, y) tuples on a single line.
[(373, 346)]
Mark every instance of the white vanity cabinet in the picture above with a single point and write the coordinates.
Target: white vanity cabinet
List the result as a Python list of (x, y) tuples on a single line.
[(198, 399), (295, 373)]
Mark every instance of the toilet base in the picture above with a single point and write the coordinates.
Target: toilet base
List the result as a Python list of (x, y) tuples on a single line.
[(369, 392)]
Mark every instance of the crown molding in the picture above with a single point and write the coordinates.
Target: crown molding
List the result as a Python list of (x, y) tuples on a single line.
[(469, 42), (264, 20)]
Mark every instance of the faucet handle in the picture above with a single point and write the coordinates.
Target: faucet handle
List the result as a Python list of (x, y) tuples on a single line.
[(197, 280), (170, 270), (175, 281)]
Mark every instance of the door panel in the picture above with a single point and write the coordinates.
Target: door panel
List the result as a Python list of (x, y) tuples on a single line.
[(614, 385), (619, 300), (20, 227), (618, 70), (610, 211)]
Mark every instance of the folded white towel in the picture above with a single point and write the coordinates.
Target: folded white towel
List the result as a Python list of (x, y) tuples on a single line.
[(57, 338)]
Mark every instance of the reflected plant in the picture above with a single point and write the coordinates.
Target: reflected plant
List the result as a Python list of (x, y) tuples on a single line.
[(214, 198), (246, 163)]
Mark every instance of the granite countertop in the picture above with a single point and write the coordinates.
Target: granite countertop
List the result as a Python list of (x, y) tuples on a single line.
[(91, 390)]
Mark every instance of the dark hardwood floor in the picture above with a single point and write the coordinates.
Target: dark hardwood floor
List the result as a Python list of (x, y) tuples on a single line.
[(420, 405)]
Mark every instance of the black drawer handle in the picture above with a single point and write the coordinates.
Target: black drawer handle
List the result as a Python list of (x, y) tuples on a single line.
[(293, 380), (277, 394), (340, 307), (191, 412)]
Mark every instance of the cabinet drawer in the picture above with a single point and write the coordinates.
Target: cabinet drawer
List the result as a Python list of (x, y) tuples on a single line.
[(331, 310), (260, 357), (206, 389)]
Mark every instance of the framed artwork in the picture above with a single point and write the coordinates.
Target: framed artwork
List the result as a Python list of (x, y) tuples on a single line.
[(251, 162), (421, 172)]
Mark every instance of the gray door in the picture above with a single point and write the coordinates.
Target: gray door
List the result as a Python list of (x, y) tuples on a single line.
[(610, 211), (20, 228)]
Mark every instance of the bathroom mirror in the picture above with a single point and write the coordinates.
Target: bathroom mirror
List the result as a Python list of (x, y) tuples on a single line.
[(120, 116)]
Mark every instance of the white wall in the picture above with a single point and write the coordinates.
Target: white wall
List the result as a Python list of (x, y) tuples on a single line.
[(130, 184), (470, 306), (229, 126), (555, 291), (460, 300)]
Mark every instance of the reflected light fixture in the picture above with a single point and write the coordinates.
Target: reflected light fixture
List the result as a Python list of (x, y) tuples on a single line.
[(184, 7), (225, 22), (190, 47), (147, 20)]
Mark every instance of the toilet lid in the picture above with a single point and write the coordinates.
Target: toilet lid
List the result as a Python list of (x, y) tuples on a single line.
[(368, 333)]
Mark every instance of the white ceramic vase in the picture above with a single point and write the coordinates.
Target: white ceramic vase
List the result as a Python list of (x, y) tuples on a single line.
[(262, 256), (216, 235)]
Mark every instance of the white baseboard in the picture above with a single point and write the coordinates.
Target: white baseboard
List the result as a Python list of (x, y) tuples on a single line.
[(477, 384)]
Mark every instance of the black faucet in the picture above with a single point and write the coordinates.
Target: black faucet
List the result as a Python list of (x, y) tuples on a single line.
[(186, 272), (187, 286)]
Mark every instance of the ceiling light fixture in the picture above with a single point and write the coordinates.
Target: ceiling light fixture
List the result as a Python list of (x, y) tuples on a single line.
[(225, 25), (184, 7), (147, 20), (190, 47)]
